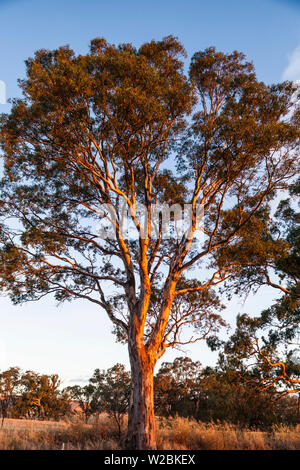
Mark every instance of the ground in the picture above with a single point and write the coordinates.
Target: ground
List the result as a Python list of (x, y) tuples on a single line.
[(177, 433)]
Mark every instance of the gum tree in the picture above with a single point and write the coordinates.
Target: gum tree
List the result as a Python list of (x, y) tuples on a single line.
[(9, 387), (269, 342), (113, 389), (127, 124)]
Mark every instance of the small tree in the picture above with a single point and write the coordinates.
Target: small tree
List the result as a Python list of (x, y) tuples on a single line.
[(177, 387), (9, 387), (113, 388), (87, 398), (126, 125)]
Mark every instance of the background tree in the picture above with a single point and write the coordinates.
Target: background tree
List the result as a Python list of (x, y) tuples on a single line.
[(177, 387), (22, 392), (270, 341), (92, 129), (9, 386), (41, 392), (87, 398), (229, 396), (184, 388), (113, 388)]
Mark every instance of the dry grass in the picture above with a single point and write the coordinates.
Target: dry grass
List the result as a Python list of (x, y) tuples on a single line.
[(175, 433), (182, 433)]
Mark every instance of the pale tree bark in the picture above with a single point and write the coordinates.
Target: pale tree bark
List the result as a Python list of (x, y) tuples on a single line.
[(143, 357), (141, 423)]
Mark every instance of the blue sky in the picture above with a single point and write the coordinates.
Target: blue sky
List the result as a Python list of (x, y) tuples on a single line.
[(75, 338)]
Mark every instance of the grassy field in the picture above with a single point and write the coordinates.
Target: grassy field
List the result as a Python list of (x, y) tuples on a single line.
[(177, 433)]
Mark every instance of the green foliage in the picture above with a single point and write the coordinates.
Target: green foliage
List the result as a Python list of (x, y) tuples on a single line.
[(270, 341), (32, 394), (10, 382), (107, 391), (42, 395), (87, 397), (220, 394), (176, 387), (113, 388)]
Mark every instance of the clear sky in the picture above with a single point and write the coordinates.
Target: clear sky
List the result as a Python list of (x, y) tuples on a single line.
[(73, 339)]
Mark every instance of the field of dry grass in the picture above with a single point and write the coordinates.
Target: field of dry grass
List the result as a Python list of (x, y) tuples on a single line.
[(177, 433)]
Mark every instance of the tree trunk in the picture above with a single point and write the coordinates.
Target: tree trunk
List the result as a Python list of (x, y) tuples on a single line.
[(141, 424)]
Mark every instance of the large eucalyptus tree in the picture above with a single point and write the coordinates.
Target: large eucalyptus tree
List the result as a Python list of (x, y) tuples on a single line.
[(125, 125)]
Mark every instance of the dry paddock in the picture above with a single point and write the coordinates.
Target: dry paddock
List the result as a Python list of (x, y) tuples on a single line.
[(177, 433)]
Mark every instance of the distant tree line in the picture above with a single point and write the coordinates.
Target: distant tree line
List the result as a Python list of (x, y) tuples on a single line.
[(185, 388), (182, 388)]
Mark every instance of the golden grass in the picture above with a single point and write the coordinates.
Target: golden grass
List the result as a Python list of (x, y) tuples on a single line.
[(182, 433), (173, 433)]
